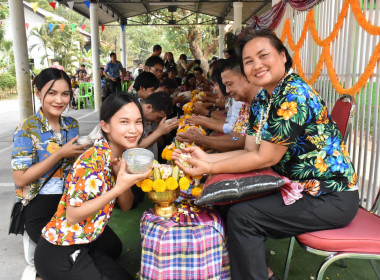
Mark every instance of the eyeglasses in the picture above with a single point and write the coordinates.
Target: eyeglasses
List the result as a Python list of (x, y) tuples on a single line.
[(156, 70)]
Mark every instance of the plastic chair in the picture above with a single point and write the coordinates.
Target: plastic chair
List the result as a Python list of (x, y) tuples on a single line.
[(124, 87), (360, 239), (342, 114), (85, 92)]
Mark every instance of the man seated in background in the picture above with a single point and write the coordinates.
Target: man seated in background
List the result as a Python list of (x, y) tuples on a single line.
[(145, 84)]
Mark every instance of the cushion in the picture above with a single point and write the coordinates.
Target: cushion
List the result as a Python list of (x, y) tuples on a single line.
[(359, 236), (231, 188)]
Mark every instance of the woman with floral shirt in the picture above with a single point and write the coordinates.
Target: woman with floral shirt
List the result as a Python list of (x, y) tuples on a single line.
[(77, 243), (43, 145), (291, 131)]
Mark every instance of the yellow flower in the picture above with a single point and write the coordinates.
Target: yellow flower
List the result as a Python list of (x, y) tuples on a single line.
[(184, 183), (344, 150), (171, 183), (146, 185), (287, 110), (196, 191), (320, 164), (139, 184), (163, 154), (52, 147), (198, 177), (159, 185)]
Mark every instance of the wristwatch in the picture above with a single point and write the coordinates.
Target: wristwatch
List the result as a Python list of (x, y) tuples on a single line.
[(209, 113)]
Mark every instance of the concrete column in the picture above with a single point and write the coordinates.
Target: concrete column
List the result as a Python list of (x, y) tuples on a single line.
[(238, 10), (94, 22), (24, 89), (221, 40), (123, 48)]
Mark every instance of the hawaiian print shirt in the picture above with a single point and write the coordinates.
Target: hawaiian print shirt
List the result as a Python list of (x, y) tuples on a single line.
[(298, 119), (90, 177), (242, 120), (34, 141)]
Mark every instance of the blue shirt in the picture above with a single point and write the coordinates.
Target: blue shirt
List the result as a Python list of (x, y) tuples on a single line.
[(34, 141), (113, 69)]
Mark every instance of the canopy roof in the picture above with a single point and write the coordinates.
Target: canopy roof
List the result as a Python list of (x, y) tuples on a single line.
[(121, 10)]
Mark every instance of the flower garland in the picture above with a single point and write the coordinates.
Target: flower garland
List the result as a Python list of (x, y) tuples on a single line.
[(263, 120), (325, 44)]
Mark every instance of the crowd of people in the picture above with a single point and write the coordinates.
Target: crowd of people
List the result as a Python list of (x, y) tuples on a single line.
[(257, 114)]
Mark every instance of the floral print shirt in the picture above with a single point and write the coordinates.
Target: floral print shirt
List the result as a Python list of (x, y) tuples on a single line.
[(90, 177), (298, 119), (34, 140), (242, 120), (232, 115)]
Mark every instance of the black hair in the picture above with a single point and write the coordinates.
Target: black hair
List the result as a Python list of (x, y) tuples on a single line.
[(183, 56), (249, 34), (198, 69), (172, 69), (113, 103), (157, 48), (82, 65), (160, 101), (216, 76), (232, 64), (153, 60), (188, 77), (112, 53), (145, 80), (51, 74), (169, 83)]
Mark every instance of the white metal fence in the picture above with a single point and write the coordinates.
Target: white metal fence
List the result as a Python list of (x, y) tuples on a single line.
[(350, 51)]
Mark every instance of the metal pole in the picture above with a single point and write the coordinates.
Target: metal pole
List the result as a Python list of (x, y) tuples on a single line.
[(24, 89), (221, 40), (238, 11), (94, 22), (123, 49)]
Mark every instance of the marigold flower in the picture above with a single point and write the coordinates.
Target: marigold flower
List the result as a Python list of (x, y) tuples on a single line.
[(147, 185), (171, 183), (159, 185), (139, 184), (184, 183), (196, 191)]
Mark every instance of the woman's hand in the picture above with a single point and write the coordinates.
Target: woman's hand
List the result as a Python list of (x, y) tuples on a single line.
[(193, 151), (126, 180), (197, 167), (70, 149)]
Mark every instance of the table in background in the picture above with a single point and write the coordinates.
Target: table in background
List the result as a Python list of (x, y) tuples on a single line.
[(190, 245)]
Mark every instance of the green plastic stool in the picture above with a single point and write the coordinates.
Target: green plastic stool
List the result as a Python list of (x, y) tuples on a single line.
[(84, 94)]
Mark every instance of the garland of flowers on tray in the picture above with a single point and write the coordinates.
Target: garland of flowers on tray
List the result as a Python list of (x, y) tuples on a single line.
[(168, 176)]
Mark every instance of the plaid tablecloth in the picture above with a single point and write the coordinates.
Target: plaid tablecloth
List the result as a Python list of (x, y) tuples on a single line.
[(190, 245)]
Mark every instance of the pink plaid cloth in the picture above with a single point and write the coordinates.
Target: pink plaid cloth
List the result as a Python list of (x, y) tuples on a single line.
[(190, 245)]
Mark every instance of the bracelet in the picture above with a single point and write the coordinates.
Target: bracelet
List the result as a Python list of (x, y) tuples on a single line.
[(209, 113)]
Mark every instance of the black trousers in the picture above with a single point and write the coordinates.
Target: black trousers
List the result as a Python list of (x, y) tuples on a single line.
[(95, 260), (250, 222), (39, 212), (111, 87)]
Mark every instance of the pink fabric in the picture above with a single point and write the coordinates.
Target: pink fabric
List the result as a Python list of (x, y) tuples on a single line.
[(359, 236), (291, 191), (272, 18)]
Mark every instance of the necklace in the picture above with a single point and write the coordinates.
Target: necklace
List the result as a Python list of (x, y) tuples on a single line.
[(263, 120)]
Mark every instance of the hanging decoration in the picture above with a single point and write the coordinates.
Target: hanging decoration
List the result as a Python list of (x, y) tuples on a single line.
[(325, 56), (122, 27), (34, 6), (273, 17), (83, 26), (52, 4), (70, 4), (103, 26), (87, 3), (26, 25), (73, 27), (51, 27), (62, 26)]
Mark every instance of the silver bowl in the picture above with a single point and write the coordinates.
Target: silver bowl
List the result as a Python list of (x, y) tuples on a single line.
[(138, 160), (84, 140)]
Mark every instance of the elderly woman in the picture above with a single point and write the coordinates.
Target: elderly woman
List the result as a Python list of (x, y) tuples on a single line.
[(289, 130)]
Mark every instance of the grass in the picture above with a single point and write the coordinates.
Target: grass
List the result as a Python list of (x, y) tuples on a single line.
[(304, 265)]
